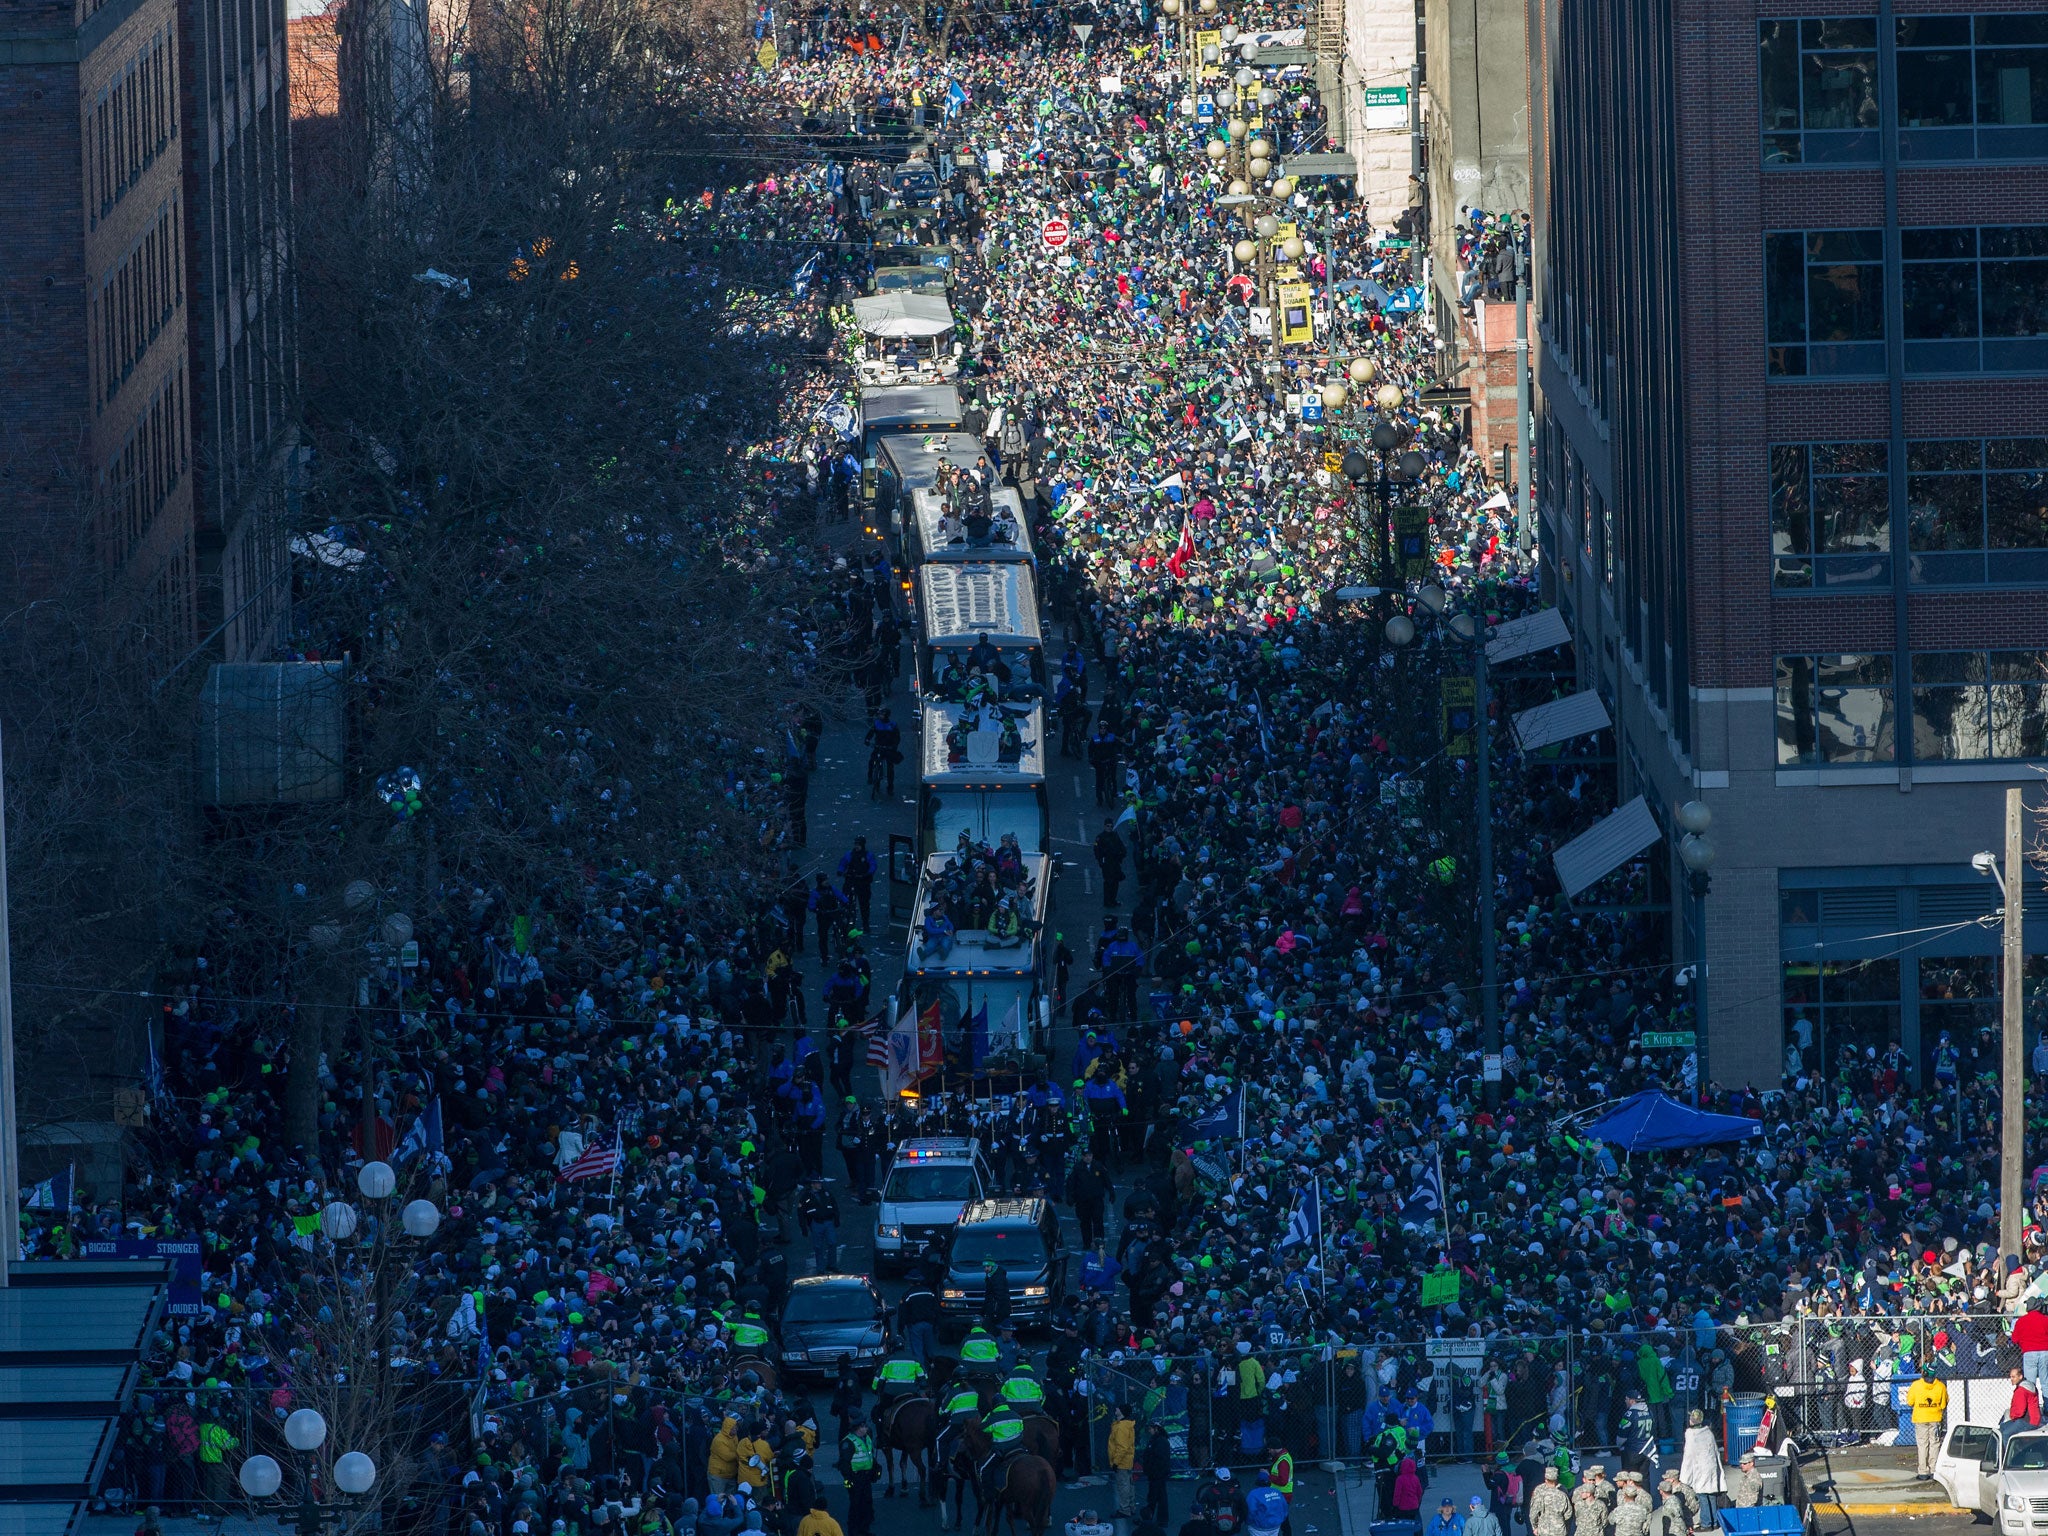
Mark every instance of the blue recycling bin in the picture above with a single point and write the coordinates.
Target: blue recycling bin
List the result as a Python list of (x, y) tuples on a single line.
[(1742, 1415)]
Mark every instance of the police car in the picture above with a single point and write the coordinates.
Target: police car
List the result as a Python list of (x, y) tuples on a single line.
[(931, 1181)]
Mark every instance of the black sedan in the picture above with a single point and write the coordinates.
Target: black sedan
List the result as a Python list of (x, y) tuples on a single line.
[(830, 1318)]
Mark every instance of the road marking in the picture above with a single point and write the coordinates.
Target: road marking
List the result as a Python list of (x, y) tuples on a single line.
[(1087, 881)]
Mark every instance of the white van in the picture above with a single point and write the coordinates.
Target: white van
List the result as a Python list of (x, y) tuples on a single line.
[(931, 1181)]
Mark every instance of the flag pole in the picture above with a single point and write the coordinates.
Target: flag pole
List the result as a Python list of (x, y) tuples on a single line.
[(611, 1197), (1443, 1197), (1322, 1266)]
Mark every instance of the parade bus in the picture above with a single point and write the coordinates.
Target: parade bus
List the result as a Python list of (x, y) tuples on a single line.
[(906, 338), (979, 615), (906, 408), (984, 775), (998, 534), (990, 991), (906, 462)]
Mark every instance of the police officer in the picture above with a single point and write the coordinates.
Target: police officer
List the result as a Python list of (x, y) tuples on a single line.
[(799, 1487), (917, 1316), (1005, 1429), (978, 1351), (749, 1334), (857, 1466), (901, 1375), (1023, 1392), (1549, 1506)]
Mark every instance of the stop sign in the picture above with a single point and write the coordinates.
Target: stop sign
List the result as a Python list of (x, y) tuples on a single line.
[(1054, 233)]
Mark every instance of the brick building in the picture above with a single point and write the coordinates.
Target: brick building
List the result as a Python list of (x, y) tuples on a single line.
[(145, 393), (95, 391), (1792, 459)]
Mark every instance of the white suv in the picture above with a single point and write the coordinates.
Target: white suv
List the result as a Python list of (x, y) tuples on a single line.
[(931, 1181)]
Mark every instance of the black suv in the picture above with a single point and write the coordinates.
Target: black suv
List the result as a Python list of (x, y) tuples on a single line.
[(1021, 1235)]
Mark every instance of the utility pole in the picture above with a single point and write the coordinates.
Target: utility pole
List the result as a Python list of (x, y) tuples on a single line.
[(2013, 1116), (1489, 992), (10, 1166), (1525, 524)]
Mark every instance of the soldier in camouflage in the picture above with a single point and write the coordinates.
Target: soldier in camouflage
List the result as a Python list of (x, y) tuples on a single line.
[(1632, 1506), (1550, 1508)]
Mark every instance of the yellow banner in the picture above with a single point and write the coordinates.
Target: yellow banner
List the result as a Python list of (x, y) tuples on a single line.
[(1297, 318)]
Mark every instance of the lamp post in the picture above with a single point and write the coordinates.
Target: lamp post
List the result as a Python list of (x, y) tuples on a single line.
[(2012, 1143), (1468, 626), (1697, 853), (305, 1431)]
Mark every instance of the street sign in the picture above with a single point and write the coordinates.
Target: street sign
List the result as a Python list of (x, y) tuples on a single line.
[(1411, 539), (1312, 408), (1084, 30), (1205, 109), (1054, 233), (1490, 1067), (1454, 1349), (1670, 1040)]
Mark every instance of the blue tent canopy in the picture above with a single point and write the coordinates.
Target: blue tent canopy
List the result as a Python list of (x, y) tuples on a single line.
[(1652, 1121)]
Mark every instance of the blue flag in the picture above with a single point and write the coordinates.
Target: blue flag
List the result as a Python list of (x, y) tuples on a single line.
[(425, 1135), (1305, 1224), (1222, 1121), (977, 1037), (54, 1193), (1424, 1206)]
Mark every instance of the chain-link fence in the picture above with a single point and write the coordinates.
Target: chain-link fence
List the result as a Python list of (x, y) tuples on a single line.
[(1830, 1378)]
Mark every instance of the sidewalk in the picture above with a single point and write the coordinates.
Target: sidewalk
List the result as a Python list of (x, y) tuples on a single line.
[(1457, 1481), (1873, 1480)]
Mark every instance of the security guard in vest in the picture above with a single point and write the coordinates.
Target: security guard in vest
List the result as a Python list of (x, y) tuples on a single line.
[(857, 1467), (979, 1351), (900, 1376), (1023, 1392), (749, 1337), (1280, 1476), (962, 1403)]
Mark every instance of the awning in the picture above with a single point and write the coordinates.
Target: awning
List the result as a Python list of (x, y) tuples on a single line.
[(903, 314), (1526, 636), (1337, 164), (1606, 845), (1652, 1121), (1561, 720)]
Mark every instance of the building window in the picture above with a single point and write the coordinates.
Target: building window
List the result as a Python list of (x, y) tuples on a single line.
[(1819, 90), (1973, 88), (1976, 300), (1830, 515), (1977, 511), (1824, 302), (1834, 1007), (1977, 706), (1834, 710)]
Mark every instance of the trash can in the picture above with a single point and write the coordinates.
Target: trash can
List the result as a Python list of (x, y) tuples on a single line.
[(1772, 1479), (1742, 1415)]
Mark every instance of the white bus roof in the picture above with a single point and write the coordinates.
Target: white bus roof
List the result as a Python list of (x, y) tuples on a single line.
[(918, 455), (962, 603), (907, 405), (903, 314), (972, 954), (983, 766), (931, 508)]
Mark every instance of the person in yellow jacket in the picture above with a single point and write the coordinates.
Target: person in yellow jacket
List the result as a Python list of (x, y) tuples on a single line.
[(819, 1521), (756, 1466), (1928, 1398), (722, 1466), (1123, 1460)]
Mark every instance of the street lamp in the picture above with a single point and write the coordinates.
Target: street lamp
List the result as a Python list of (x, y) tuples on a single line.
[(1469, 627), (1697, 853), (305, 1431)]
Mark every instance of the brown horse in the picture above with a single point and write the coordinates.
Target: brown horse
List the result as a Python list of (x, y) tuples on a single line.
[(906, 1436), (1041, 1437), (762, 1368), (1024, 1492)]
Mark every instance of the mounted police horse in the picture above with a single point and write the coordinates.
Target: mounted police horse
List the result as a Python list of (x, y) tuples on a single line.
[(906, 1430)]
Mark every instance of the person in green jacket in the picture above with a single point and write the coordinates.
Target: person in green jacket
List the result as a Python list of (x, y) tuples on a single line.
[(1657, 1390)]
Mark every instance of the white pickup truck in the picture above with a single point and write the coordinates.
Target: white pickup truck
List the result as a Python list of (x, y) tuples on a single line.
[(2008, 1482)]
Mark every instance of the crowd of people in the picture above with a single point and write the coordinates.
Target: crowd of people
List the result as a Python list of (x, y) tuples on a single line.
[(622, 1112)]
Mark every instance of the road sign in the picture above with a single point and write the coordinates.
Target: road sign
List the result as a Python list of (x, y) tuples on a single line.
[(1670, 1040), (1205, 109), (1054, 233)]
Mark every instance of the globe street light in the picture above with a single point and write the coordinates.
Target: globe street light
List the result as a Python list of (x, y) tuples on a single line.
[(305, 1431), (1363, 370)]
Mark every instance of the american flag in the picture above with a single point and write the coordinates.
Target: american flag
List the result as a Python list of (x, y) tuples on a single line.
[(595, 1163), (878, 1042)]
